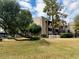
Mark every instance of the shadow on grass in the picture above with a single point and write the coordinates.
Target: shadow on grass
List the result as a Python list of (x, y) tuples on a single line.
[(41, 42), (44, 42), (28, 39), (22, 39)]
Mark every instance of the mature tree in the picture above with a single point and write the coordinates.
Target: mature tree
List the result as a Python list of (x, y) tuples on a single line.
[(8, 12), (53, 9), (23, 20), (12, 19)]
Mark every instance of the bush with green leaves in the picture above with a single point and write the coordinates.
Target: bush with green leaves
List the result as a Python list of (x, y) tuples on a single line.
[(35, 29), (66, 35), (44, 35), (34, 38)]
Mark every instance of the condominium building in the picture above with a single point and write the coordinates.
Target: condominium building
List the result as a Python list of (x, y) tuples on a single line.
[(46, 26), (43, 23)]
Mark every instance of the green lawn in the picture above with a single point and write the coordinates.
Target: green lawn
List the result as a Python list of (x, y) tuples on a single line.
[(57, 49)]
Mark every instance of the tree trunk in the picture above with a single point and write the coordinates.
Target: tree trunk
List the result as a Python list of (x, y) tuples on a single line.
[(52, 25)]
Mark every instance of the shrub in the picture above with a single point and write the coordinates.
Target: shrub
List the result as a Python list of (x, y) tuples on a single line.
[(28, 36), (66, 35), (34, 38), (35, 29), (44, 35)]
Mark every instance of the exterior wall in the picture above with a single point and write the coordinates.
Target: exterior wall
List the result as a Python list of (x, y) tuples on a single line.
[(44, 27), (43, 23), (38, 21), (71, 27)]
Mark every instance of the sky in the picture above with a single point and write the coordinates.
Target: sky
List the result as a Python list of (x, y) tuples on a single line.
[(71, 8)]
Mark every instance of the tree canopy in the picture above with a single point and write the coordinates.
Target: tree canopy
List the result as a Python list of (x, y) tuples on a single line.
[(24, 19), (12, 18), (35, 29), (8, 13), (53, 9)]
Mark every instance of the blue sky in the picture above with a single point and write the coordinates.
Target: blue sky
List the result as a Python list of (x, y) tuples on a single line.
[(71, 7)]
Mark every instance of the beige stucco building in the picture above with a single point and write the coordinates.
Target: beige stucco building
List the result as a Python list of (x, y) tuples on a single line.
[(43, 23), (72, 27), (46, 25)]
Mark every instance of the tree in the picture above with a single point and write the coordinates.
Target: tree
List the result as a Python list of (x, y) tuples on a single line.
[(35, 29), (23, 20), (12, 19), (53, 9), (8, 12)]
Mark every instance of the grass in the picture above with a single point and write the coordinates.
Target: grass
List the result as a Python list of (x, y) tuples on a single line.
[(56, 49)]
